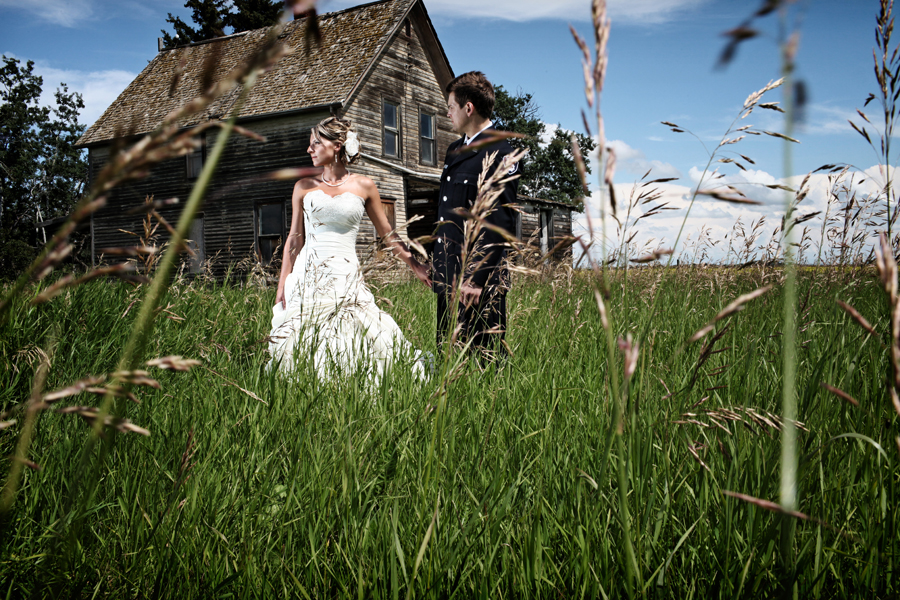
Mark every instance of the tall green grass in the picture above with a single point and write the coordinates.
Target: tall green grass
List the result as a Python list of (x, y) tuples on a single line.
[(251, 485)]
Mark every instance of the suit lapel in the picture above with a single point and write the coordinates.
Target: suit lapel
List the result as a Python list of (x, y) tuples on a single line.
[(454, 156)]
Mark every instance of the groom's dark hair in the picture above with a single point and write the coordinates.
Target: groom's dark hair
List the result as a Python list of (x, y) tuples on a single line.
[(473, 87)]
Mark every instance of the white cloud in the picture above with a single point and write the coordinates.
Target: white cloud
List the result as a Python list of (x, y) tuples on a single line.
[(650, 11), (98, 88), (633, 161), (752, 183), (631, 11), (724, 226), (68, 13), (820, 119)]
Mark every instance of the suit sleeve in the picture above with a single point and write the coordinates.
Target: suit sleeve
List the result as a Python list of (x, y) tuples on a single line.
[(490, 245)]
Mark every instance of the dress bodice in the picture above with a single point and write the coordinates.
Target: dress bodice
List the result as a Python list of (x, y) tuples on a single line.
[(332, 216)]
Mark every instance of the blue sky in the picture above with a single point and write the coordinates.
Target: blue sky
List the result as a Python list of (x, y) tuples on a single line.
[(662, 55)]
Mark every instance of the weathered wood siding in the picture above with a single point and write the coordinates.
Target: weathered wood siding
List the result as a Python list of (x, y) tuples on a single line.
[(402, 75), (560, 226), (229, 211)]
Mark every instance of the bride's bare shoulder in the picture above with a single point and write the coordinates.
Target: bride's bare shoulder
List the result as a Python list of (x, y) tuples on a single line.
[(306, 184), (364, 182)]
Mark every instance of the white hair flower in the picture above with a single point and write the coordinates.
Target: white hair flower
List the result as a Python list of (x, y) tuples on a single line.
[(352, 144)]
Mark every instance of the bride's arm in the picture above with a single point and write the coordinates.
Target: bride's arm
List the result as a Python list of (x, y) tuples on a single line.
[(295, 239), (383, 229)]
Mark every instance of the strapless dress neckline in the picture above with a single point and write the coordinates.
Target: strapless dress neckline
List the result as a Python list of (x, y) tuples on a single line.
[(327, 195)]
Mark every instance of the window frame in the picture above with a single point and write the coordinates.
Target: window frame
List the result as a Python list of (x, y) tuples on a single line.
[(199, 153), (432, 140), (397, 131), (257, 229)]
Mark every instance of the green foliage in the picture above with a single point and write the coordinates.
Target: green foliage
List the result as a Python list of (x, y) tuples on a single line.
[(253, 14), (15, 256), (212, 17), (321, 491), (43, 174), (549, 172)]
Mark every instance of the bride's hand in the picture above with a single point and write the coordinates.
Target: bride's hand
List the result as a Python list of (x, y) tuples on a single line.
[(421, 273), (279, 298)]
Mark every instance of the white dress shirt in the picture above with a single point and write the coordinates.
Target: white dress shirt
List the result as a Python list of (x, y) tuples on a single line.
[(468, 139)]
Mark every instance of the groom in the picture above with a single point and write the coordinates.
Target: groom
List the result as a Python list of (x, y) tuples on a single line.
[(481, 306)]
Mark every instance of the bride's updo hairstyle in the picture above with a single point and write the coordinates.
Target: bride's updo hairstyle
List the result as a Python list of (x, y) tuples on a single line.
[(341, 131)]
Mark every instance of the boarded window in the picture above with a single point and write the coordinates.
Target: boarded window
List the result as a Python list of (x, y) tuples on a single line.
[(387, 204), (269, 230), (391, 119), (426, 139)]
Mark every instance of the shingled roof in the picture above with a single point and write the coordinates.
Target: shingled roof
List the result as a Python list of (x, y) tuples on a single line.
[(352, 40)]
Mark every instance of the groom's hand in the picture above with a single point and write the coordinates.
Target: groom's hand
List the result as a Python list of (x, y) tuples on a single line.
[(469, 294)]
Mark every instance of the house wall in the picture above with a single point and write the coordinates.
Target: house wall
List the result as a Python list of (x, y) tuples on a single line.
[(229, 211), (561, 226), (402, 75)]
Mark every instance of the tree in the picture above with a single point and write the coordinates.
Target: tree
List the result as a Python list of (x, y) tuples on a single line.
[(549, 171), (42, 174), (253, 14), (42, 171), (212, 17)]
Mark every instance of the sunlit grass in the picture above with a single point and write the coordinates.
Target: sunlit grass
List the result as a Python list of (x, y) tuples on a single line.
[(301, 487)]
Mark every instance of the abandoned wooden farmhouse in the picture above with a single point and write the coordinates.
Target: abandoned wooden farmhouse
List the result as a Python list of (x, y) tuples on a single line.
[(380, 64)]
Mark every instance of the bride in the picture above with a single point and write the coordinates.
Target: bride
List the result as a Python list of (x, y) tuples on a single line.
[(323, 307)]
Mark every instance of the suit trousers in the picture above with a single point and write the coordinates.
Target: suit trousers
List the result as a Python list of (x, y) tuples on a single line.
[(483, 323)]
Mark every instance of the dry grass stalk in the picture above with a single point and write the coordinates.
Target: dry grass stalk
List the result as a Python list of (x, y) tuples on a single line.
[(856, 316), (173, 363), (630, 351), (735, 306), (841, 394), (72, 390), (755, 421), (91, 413), (234, 385), (771, 506), (887, 270)]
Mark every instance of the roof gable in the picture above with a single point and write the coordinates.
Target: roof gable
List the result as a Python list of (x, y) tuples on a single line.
[(352, 40)]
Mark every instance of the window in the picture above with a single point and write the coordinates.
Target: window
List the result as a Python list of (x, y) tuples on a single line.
[(426, 139), (195, 243), (194, 160), (269, 230), (546, 233), (391, 120)]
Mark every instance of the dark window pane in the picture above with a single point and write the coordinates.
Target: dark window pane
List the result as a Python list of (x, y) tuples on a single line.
[(390, 115), (271, 219), (194, 164), (425, 126), (390, 143), (267, 247), (427, 147)]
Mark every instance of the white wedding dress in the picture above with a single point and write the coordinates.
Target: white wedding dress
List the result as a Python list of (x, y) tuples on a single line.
[(329, 314)]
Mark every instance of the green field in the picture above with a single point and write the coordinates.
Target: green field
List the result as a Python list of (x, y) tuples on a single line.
[(252, 486)]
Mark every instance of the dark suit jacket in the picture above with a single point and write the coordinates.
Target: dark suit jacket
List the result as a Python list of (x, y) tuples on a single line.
[(459, 189)]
